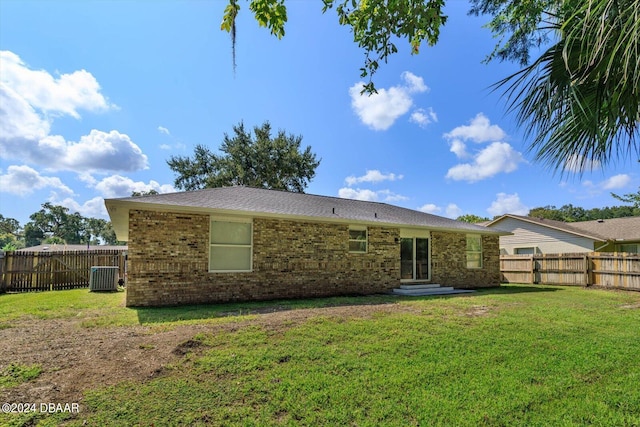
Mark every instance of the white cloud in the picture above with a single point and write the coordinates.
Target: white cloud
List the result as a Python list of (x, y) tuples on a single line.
[(120, 186), (430, 208), (423, 117), (165, 147), (164, 130), (390, 196), (507, 203), (358, 194), (453, 211), (23, 180), (498, 157), (29, 102), (578, 164), (459, 148), (380, 110), (372, 176), (616, 182), (63, 95), (414, 83), (369, 195), (93, 208), (479, 129)]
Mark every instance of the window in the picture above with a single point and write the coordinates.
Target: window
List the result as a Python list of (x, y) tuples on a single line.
[(524, 251), (230, 246), (358, 239), (474, 251), (630, 248)]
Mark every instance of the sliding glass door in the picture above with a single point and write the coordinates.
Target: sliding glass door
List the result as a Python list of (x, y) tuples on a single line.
[(414, 258)]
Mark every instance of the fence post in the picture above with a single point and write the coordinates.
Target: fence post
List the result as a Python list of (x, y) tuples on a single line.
[(533, 269), (3, 285), (585, 263)]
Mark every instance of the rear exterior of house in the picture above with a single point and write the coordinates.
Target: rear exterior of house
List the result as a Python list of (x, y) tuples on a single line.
[(241, 244)]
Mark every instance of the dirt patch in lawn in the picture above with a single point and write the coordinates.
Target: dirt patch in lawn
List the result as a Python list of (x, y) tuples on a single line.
[(75, 358)]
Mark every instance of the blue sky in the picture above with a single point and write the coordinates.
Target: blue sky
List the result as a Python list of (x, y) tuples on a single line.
[(97, 95)]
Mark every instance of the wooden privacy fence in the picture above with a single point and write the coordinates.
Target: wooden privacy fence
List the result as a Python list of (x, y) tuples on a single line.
[(610, 270), (44, 271)]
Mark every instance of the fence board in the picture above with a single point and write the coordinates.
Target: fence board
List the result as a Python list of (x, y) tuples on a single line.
[(611, 270), (56, 270)]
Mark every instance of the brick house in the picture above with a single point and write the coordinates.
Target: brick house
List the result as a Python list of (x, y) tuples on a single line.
[(241, 243)]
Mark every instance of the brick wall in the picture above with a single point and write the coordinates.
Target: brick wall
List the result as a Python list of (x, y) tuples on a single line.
[(449, 261), (168, 261)]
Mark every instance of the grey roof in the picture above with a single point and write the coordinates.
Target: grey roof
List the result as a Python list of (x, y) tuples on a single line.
[(261, 202), (627, 228), (619, 229)]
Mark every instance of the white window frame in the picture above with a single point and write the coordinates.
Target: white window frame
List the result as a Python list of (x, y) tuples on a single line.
[(366, 238), (534, 250), (249, 245), (410, 233), (468, 252)]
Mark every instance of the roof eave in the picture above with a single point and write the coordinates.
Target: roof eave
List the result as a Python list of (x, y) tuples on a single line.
[(564, 230), (118, 210)]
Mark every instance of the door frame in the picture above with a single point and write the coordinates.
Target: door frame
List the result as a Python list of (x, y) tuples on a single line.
[(408, 233)]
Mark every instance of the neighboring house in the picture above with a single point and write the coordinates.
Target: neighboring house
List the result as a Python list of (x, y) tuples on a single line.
[(542, 236), (241, 243)]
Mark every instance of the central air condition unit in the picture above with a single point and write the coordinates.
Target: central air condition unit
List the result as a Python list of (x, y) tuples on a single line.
[(103, 279)]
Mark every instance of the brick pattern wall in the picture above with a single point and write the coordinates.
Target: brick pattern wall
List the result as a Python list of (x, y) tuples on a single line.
[(168, 261), (449, 261)]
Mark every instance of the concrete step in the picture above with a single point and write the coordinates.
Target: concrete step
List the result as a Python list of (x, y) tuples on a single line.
[(420, 286), (433, 291)]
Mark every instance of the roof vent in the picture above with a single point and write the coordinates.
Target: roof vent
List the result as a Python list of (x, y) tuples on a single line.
[(600, 220)]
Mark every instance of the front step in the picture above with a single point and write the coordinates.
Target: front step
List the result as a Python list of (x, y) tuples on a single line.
[(428, 289)]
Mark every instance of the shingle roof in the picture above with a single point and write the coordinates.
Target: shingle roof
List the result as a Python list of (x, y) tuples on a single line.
[(261, 202), (622, 229), (627, 228)]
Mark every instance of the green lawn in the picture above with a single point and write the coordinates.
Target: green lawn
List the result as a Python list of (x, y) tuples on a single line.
[(518, 355)]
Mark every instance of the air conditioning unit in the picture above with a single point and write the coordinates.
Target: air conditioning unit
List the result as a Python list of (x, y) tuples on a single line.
[(103, 279)]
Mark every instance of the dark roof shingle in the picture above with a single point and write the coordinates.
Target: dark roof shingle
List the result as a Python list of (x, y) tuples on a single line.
[(300, 205)]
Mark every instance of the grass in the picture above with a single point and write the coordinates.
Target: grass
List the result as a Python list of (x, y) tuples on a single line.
[(15, 374), (518, 355)]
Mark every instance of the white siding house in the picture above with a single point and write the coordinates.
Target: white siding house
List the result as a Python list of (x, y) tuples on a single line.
[(532, 238), (545, 236)]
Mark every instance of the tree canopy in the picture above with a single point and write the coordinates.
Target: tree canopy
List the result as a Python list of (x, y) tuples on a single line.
[(579, 101), (56, 224), (633, 198), (471, 218), (570, 213), (255, 160), (376, 25)]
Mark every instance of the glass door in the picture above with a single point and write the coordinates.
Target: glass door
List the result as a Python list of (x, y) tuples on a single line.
[(414, 258), (422, 259), (406, 259)]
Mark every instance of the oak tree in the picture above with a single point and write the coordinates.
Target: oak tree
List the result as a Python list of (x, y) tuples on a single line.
[(255, 159)]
